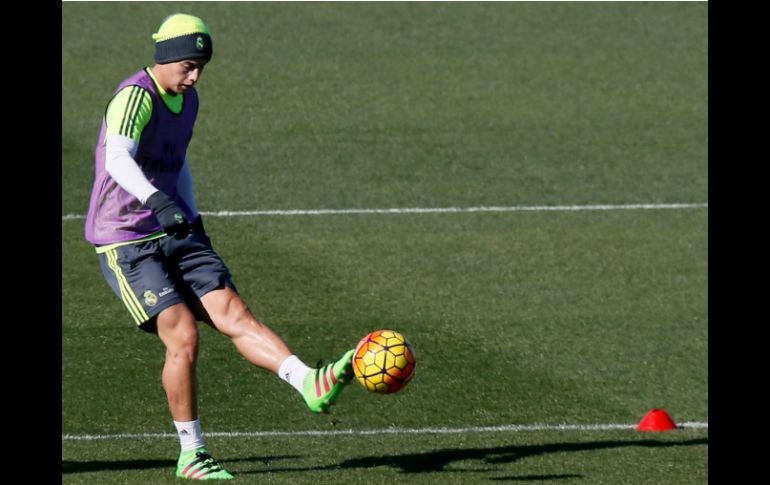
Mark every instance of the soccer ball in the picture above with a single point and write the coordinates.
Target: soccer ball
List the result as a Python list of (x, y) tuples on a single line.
[(384, 361)]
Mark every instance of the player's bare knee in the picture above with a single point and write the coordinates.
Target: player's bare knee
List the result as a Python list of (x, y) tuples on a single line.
[(183, 343)]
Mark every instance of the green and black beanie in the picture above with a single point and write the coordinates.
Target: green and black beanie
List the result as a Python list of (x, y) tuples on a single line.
[(180, 37)]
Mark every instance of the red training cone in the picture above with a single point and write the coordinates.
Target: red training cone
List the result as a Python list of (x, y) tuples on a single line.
[(656, 420)]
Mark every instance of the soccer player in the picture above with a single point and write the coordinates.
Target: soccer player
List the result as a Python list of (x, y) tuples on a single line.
[(154, 251)]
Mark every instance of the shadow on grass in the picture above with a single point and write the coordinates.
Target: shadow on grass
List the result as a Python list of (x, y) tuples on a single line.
[(535, 478), (68, 466), (438, 460)]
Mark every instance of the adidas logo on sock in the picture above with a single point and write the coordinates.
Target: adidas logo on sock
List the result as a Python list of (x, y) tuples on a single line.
[(183, 433)]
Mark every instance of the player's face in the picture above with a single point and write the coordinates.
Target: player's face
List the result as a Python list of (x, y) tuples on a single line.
[(184, 74)]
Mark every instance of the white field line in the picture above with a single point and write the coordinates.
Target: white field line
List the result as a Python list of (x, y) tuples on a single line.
[(370, 432), (434, 210)]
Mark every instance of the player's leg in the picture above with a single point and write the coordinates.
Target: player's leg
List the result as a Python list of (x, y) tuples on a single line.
[(177, 330), (261, 346), (257, 342)]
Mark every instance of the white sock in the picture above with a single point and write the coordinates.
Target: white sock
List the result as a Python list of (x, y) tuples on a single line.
[(293, 371), (189, 432)]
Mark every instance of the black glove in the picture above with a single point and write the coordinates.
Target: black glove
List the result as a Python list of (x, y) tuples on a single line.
[(197, 225), (169, 215)]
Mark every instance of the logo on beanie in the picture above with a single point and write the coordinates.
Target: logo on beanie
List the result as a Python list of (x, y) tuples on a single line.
[(199, 43)]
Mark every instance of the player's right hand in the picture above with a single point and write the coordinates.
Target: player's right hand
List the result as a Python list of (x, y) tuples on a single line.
[(171, 218)]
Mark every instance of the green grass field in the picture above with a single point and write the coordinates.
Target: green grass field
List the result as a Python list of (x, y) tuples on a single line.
[(518, 318)]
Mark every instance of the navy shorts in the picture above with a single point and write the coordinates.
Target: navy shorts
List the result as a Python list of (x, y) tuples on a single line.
[(153, 275)]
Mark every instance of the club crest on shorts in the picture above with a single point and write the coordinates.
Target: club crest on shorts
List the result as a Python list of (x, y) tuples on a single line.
[(150, 298)]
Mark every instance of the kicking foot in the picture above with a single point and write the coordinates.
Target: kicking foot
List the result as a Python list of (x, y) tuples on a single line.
[(323, 386)]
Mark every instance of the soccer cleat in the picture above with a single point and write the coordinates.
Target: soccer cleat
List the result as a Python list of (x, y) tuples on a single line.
[(323, 386), (197, 464)]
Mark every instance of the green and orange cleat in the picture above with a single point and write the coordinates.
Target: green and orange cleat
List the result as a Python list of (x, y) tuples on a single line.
[(198, 464), (323, 386)]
